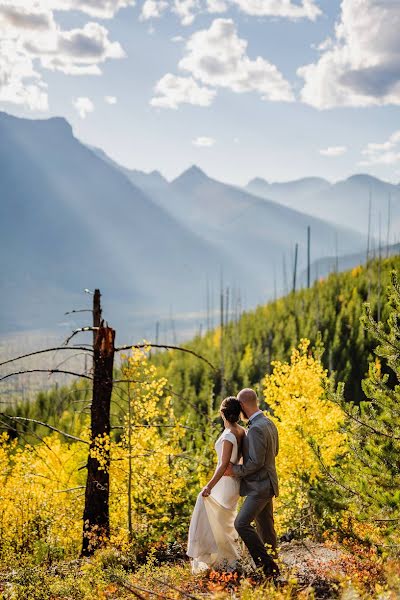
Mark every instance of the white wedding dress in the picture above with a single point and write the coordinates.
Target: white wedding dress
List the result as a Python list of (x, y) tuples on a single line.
[(213, 540)]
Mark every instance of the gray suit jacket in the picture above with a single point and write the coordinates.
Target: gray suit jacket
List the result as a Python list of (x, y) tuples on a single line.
[(257, 474)]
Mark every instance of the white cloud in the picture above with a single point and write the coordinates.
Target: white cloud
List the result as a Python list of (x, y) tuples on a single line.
[(186, 10), (24, 16), (110, 99), (103, 9), (30, 36), (177, 38), (172, 90), (203, 142), (333, 151), (83, 106), (280, 8), (153, 9), (216, 6), (361, 66), (384, 153), (19, 82), (217, 57), (75, 52)]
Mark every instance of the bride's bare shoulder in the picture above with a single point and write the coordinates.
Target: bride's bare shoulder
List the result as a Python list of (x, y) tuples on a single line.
[(241, 431)]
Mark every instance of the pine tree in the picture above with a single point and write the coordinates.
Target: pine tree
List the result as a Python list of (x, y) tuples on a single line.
[(371, 479)]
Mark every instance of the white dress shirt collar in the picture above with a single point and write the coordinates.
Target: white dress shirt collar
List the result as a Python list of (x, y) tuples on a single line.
[(254, 415)]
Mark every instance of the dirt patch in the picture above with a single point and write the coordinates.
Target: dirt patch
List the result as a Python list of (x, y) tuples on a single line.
[(314, 565)]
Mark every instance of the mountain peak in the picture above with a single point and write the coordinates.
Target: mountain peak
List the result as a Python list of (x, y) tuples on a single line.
[(192, 175), (55, 125), (363, 178), (257, 181), (157, 176)]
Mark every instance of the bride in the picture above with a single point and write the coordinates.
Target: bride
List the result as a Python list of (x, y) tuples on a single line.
[(212, 537)]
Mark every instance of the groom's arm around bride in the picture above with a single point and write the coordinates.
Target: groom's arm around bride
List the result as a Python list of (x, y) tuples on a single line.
[(258, 482)]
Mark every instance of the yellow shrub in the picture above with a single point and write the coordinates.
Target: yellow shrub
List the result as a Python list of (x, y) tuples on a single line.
[(148, 473), (42, 486), (294, 392), (41, 495)]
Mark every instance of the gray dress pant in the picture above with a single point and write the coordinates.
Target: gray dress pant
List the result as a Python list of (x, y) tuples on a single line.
[(259, 510)]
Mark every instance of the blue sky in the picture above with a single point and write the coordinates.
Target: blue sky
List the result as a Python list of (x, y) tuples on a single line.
[(230, 95)]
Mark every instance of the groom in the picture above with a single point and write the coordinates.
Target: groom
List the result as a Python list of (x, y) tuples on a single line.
[(258, 482)]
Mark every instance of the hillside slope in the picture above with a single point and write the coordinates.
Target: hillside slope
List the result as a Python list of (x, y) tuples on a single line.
[(331, 309), (329, 312)]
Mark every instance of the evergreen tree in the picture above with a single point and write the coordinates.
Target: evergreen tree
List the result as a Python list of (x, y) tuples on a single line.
[(371, 478)]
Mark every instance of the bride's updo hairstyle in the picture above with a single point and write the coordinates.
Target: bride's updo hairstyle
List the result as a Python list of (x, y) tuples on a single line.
[(231, 408)]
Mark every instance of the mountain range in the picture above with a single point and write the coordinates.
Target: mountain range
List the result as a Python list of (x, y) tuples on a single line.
[(352, 202), (72, 218)]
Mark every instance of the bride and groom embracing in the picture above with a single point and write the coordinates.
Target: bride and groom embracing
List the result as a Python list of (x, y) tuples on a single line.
[(246, 467)]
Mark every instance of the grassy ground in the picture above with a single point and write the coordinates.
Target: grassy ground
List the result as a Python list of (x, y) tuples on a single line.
[(309, 571)]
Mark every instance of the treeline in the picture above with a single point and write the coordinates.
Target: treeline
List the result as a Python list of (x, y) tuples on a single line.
[(328, 313)]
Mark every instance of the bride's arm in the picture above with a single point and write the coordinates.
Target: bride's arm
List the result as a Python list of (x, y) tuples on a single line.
[(227, 448)]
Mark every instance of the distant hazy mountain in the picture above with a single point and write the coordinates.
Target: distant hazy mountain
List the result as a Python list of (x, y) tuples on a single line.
[(69, 221), (290, 193), (345, 202), (71, 218), (151, 183), (258, 233)]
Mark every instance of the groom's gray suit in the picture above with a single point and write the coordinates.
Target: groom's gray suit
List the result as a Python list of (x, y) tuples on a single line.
[(259, 483)]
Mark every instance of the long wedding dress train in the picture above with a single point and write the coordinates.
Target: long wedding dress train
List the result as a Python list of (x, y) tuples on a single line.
[(213, 540)]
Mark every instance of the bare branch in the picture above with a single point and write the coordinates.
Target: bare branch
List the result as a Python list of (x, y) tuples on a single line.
[(175, 588), (167, 347), (163, 426), (10, 360), (67, 435), (65, 360), (49, 371), (129, 588), (7, 426), (132, 588), (80, 330), (70, 312), (79, 487)]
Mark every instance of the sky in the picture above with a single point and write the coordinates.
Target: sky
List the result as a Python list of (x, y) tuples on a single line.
[(279, 89)]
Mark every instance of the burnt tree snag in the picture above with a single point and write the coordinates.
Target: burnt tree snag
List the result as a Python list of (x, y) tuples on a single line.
[(96, 313), (96, 520)]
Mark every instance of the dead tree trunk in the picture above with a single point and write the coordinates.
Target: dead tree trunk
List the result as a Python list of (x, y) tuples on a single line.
[(96, 520), (96, 313), (296, 252), (308, 256)]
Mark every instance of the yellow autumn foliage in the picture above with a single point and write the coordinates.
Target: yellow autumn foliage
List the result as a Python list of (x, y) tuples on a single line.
[(149, 454), (295, 395), (42, 486), (41, 495)]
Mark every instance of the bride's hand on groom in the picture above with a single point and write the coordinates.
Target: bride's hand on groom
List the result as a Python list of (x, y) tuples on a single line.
[(229, 471)]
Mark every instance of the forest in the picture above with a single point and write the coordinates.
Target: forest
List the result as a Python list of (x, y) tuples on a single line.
[(325, 363)]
